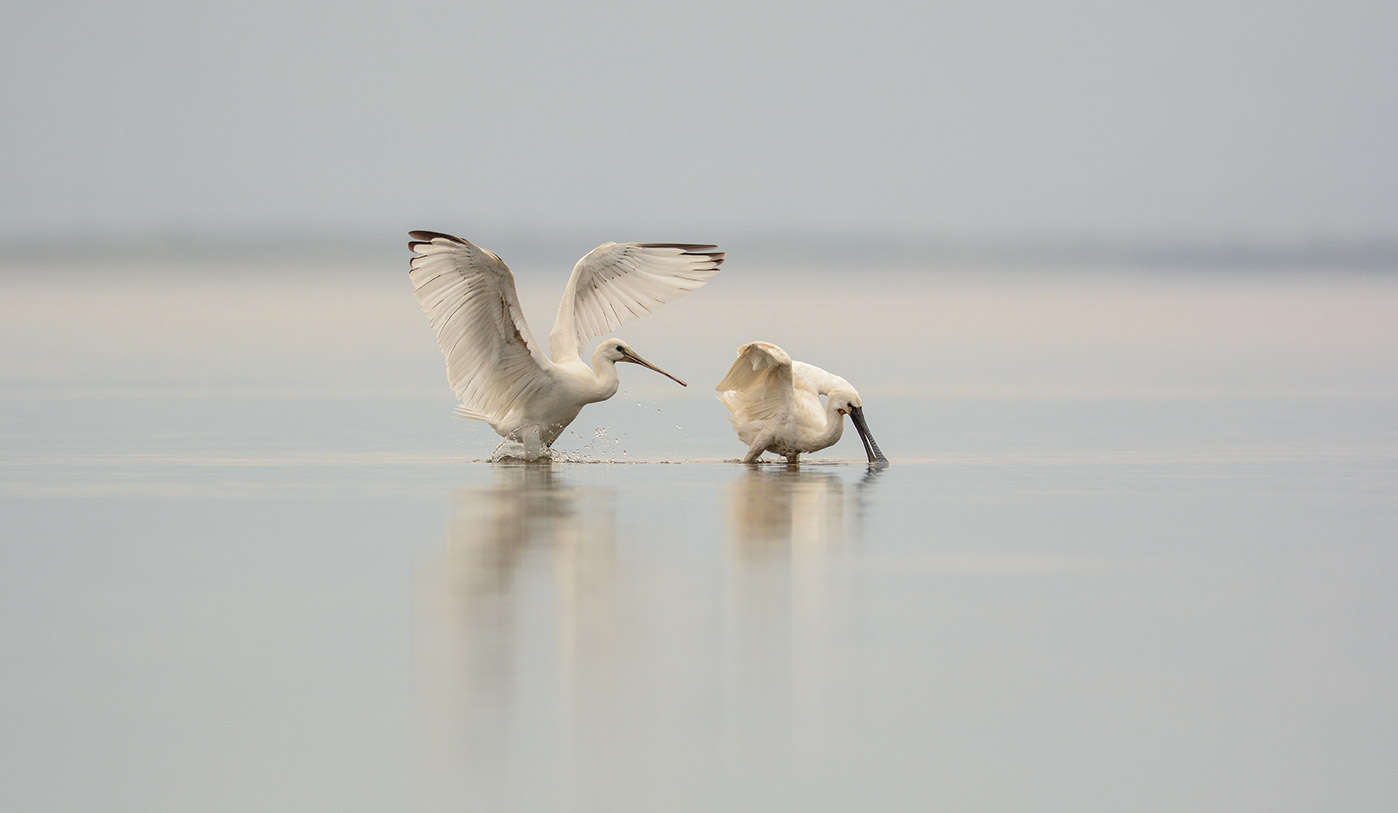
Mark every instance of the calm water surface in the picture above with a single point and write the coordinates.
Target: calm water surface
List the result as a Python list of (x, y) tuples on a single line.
[(1136, 551)]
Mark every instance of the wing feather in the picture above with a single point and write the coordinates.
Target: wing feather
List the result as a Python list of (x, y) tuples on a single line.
[(469, 297), (617, 282), (758, 387)]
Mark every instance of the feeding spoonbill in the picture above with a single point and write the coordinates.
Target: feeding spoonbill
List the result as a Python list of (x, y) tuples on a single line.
[(776, 405), (494, 365)]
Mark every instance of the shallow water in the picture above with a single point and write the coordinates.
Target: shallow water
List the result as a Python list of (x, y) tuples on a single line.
[(1135, 551)]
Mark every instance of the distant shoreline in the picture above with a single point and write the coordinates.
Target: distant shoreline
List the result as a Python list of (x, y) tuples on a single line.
[(829, 251)]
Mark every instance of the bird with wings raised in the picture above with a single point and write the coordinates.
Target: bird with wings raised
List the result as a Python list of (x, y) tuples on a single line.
[(494, 365), (776, 407)]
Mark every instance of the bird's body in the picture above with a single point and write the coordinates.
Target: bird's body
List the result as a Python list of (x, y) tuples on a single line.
[(572, 385), (805, 424), (495, 366), (776, 405)]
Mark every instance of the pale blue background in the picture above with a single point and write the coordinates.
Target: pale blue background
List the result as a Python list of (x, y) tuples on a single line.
[(1080, 121)]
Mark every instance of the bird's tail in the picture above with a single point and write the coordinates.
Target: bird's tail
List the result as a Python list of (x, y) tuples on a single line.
[(463, 411)]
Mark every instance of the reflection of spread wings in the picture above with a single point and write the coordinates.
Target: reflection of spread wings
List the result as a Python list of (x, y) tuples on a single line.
[(617, 282), (469, 297), (758, 387)]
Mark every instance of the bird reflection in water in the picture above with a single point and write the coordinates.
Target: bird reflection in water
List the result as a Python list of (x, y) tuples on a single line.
[(522, 589), (771, 510), (788, 595), (550, 650)]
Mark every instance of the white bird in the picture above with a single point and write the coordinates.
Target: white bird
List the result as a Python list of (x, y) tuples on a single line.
[(494, 365), (776, 405)]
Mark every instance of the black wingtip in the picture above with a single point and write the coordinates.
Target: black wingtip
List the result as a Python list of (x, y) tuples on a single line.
[(689, 248), (714, 253), (429, 236), (422, 238)]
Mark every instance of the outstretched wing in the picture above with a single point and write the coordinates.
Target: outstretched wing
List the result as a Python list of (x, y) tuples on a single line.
[(758, 386), (617, 282), (469, 297)]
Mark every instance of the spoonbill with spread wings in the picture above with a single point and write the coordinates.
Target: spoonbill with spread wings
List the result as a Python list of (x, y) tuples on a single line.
[(776, 405), (494, 365)]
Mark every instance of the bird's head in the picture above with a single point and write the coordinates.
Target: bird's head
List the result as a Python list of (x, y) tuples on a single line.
[(844, 399), (617, 351)]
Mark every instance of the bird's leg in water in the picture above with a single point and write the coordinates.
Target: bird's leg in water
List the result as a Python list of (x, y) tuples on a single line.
[(758, 446), (534, 448)]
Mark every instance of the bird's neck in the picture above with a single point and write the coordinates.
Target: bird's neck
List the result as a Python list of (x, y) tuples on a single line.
[(834, 425), (604, 369)]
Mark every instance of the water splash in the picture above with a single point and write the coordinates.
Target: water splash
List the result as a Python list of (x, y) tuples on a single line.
[(603, 447), (664, 412), (508, 450)]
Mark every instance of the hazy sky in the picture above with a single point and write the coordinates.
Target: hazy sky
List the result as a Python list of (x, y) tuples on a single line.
[(1198, 121)]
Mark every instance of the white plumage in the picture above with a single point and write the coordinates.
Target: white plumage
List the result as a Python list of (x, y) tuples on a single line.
[(776, 407), (494, 365)]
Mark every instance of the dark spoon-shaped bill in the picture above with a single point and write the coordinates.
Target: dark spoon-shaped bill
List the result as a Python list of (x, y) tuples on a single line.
[(871, 447)]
